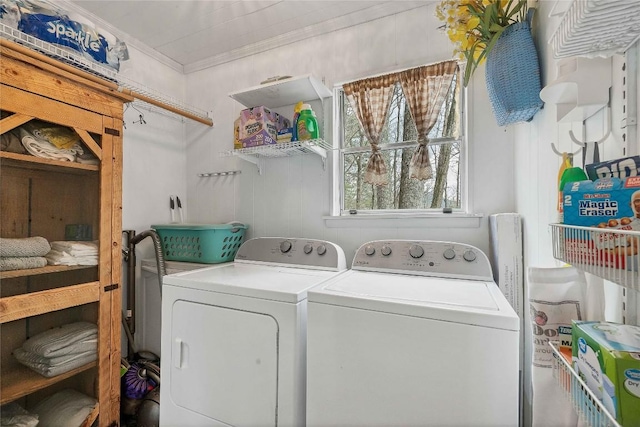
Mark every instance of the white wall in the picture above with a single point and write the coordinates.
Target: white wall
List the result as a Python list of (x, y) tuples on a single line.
[(293, 194), (154, 164)]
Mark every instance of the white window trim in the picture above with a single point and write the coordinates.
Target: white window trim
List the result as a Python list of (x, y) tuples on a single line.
[(459, 218)]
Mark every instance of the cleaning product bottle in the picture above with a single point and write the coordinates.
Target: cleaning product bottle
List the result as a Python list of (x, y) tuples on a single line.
[(307, 124), (294, 123), (566, 164)]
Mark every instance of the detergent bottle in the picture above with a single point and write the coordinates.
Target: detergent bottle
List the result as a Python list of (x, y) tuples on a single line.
[(294, 123), (307, 126)]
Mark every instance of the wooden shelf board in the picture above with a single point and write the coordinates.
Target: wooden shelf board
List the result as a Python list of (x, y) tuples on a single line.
[(43, 270), (36, 303), (22, 381), (93, 415), (23, 160)]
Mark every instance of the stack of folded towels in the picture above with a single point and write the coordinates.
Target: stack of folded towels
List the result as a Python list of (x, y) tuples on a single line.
[(60, 350), (28, 252), (73, 253)]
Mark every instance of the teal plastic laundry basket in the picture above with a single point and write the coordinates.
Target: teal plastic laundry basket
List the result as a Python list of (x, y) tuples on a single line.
[(204, 243)]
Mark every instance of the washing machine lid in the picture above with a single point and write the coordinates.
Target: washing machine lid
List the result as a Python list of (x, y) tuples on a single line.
[(276, 283), (472, 302)]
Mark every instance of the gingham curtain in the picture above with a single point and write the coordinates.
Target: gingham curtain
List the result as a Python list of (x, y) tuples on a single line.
[(425, 89), (370, 99)]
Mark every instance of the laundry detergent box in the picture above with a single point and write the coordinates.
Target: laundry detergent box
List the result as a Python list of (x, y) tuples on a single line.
[(609, 205), (606, 356), (258, 126)]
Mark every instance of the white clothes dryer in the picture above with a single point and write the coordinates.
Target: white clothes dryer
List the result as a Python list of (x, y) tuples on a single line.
[(234, 336), (417, 333)]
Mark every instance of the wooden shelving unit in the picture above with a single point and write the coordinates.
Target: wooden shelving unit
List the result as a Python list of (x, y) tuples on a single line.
[(40, 197)]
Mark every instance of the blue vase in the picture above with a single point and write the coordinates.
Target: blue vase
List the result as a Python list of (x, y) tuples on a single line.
[(513, 75)]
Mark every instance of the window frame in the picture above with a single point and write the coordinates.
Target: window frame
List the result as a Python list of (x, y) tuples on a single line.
[(337, 207)]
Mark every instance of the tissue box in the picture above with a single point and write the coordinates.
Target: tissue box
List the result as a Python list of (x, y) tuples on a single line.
[(606, 204), (607, 357), (258, 126)]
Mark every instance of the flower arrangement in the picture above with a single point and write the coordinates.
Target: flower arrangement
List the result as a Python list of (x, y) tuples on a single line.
[(474, 26)]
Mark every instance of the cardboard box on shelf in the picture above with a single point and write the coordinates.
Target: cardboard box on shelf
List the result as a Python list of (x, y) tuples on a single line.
[(258, 126), (606, 356), (608, 205)]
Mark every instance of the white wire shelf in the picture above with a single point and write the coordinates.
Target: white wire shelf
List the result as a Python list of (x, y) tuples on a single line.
[(585, 402), (256, 155), (597, 28), (78, 61), (612, 254)]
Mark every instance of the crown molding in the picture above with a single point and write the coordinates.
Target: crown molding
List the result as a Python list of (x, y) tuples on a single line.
[(129, 40), (339, 23)]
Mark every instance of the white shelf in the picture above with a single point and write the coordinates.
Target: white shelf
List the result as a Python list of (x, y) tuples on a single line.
[(597, 28), (283, 92), (256, 155), (580, 89), (578, 246), (586, 404)]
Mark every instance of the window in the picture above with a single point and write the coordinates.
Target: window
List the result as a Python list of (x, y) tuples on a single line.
[(398, 142)]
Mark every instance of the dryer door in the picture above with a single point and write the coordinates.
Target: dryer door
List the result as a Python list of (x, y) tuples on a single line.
[(224, 363)]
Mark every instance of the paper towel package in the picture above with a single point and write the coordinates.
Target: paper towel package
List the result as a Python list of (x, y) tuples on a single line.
[(507, 254)]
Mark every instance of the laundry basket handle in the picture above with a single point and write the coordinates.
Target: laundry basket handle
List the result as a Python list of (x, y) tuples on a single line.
[(238, 224)]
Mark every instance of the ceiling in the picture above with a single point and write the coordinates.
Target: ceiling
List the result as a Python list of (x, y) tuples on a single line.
[(192, 35)]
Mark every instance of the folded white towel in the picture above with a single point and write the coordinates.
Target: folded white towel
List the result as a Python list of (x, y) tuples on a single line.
[(33, 359), (27, 246), (43, 148), (68, 408), (14, 415), (55, 257), (52, 371), (70, 338), (76, 248), (22, 263)]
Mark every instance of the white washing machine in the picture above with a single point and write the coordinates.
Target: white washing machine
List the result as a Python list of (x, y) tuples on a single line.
[(415, 334), (234, 336)]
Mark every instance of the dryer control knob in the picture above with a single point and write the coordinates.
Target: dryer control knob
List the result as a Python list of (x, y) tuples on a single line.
[(285, 246), (449, 254), (369, 250), (386, 250), (322, 249), (416, 251), (308, 248), (469, 256)]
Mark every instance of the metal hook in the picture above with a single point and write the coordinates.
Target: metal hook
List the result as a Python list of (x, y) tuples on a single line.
[(140, 116), (606, 135), (555, 150)]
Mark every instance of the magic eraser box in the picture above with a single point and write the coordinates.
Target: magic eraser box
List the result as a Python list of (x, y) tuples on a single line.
[(606, 356), (606, 204)]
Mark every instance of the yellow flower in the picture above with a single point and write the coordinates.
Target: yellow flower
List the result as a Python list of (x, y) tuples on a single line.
[(471, 28), (473, 22)]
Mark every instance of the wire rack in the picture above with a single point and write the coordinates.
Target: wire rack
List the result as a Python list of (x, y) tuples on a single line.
[(284, 149), (256, 155), (597, 28), (585, 402), (78, 61), (612, 254)]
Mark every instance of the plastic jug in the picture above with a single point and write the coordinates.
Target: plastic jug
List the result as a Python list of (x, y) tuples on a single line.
[(307, 124)]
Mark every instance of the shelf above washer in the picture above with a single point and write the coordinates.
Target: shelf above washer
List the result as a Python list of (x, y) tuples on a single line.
[(281, 93), (255, 155)]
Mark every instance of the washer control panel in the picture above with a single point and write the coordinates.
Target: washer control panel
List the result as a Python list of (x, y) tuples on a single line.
[(308, 253), (424, 257)]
